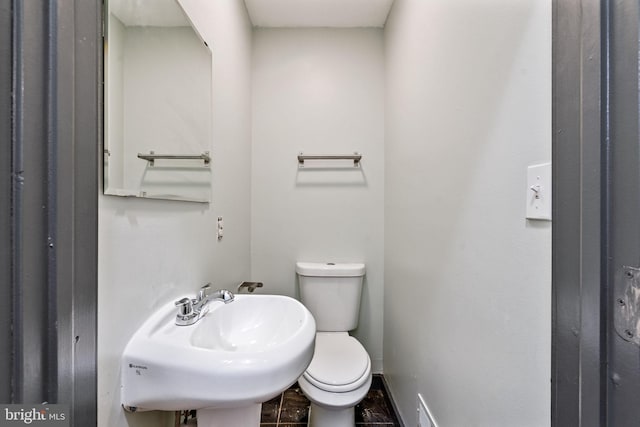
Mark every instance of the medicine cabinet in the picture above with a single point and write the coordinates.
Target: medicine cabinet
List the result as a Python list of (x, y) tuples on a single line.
[(158, 102)]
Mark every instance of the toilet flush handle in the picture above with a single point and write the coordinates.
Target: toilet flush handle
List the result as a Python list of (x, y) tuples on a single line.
[(249, 286)]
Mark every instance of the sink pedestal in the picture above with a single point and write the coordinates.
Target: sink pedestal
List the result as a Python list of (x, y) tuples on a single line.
[(246, 416)]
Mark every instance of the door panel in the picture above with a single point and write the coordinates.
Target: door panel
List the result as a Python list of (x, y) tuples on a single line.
[(623, 382)]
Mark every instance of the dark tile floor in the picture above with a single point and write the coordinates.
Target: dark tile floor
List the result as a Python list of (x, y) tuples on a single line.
[(291, 408)]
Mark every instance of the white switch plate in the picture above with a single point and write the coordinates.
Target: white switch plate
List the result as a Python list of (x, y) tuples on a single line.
[(539, 191)]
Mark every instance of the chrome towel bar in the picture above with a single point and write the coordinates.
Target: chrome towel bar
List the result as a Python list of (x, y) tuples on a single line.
[(152, 157), (356, 157)]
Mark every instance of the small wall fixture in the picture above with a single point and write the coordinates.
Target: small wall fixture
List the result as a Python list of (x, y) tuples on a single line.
[(356, 157)]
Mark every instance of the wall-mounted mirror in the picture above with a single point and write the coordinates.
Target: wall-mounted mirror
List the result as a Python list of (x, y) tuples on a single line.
[(158, 103)]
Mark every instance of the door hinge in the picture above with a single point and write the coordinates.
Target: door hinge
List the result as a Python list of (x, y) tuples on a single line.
[(626, 312)]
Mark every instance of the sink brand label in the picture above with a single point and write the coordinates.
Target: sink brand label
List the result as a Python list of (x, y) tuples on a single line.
[(34, 415), (139, 368), (131, 365)]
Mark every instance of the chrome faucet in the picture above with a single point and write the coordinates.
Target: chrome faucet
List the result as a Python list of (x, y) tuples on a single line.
[(192, 310)]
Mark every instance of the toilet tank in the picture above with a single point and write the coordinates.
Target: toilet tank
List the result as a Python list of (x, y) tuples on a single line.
[(331, 292)]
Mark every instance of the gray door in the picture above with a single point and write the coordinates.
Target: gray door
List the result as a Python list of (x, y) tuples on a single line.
[(623, 218), (49, 143), (596, 228), (5, 192)]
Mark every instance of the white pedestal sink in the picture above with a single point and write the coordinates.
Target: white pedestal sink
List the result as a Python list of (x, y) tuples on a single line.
[(239, 355)]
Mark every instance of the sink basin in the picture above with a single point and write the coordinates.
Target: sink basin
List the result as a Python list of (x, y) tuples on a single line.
[(238, 355)]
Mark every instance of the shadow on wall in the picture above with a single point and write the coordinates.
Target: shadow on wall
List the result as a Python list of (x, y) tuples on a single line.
[(334, 177)]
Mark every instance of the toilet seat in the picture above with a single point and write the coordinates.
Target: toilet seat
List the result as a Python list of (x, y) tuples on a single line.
[(340, 363)]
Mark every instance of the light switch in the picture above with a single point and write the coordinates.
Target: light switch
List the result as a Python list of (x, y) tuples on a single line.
[(539, 191)]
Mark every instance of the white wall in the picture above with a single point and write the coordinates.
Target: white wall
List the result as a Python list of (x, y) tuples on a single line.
[(154, 251), (319, 91), (467, 319), (167, 110)]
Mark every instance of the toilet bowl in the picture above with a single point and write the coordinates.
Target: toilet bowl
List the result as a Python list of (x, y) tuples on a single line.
[(339, 375), (337, 379)]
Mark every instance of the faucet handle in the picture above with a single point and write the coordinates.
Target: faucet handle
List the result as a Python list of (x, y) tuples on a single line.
[(204, 292), (185, 307)]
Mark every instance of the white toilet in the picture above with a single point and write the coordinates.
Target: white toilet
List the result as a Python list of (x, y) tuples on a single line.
[(339, 375)]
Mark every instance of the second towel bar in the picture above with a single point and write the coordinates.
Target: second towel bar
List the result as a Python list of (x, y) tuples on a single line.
[(356, 157)]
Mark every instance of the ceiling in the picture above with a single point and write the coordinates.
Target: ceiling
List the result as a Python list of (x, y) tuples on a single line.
[(318, 13), (157, 13)]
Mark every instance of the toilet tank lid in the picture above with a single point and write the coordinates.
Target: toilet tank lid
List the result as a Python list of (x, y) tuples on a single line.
[(329, 269)]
